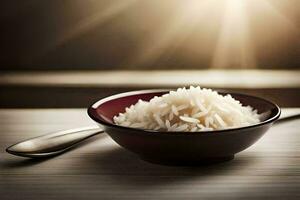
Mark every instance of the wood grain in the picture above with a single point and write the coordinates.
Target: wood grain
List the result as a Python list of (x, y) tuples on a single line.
[(100, 169)]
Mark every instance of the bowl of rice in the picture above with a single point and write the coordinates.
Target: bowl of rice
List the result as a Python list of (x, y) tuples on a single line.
[(186, 126)]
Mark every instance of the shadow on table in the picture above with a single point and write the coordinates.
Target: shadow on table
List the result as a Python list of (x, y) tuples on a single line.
[(127, 168)]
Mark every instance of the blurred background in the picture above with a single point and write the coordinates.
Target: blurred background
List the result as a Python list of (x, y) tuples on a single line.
[(77, 51), (147, 35), (57, 57)]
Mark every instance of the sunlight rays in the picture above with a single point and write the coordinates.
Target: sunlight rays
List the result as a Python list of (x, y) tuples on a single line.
[(234, 46), (188, 15), (241, 26), (278, 16), (93, 21)]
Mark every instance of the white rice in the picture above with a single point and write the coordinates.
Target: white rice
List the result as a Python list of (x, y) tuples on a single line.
[(188, 110)]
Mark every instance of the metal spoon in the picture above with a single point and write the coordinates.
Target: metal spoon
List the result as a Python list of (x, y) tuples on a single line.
[(53, 143), (59, 142)]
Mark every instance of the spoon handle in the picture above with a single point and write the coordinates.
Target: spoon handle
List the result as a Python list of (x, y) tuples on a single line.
[(289, 114), (53, 143)]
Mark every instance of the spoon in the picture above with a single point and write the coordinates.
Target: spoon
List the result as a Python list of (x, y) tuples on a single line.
[(59, 142), (53, 143)]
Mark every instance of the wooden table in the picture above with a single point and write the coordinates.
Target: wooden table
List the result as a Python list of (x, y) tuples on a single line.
[(100, 169)]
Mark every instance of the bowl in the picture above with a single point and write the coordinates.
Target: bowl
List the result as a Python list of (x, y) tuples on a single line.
[(181, 148)]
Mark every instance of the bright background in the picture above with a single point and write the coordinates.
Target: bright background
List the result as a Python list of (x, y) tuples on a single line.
[(144, 34)]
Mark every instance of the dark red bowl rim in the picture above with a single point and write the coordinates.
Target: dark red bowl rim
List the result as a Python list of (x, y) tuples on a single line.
[(92, 108)]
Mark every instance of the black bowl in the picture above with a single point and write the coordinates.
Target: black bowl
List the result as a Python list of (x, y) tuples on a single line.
[(181, 148)]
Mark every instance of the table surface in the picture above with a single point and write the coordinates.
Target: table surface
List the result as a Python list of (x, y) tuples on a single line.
[(100, 169)]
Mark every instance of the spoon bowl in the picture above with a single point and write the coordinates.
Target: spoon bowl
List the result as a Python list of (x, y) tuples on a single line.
[(181, 148)]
